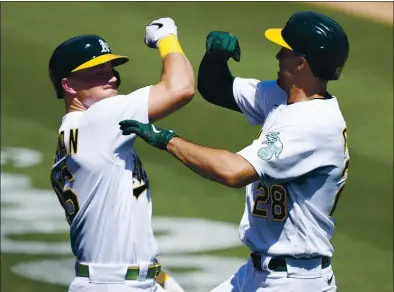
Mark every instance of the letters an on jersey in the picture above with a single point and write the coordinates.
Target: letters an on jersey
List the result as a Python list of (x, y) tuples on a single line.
[(61, 174)]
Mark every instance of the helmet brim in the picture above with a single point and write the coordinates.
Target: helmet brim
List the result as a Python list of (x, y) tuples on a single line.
[(275, 36), (115, 59)]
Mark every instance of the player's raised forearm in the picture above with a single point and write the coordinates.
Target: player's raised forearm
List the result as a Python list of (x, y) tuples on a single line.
[(176, 85), (215, 82), (175, 89), (178, 77), (215, 164)]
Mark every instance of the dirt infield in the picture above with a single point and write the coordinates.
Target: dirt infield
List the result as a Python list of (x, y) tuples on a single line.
[(377, 11)]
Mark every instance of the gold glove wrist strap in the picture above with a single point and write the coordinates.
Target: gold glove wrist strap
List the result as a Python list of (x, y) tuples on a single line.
[(169, 44)]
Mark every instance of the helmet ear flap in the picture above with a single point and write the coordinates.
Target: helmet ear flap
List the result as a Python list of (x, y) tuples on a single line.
[(116, 74)]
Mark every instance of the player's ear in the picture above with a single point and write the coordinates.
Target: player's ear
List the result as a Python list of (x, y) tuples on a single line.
[(116, 74), (68, 86), (302, 63)]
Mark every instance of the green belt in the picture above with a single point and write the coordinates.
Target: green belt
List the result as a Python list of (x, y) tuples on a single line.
[(132, 273)]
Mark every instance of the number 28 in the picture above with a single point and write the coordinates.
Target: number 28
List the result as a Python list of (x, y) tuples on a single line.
[(274, 199)]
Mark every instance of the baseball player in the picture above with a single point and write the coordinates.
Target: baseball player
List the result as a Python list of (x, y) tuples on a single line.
[(296, 169), (97, 175)]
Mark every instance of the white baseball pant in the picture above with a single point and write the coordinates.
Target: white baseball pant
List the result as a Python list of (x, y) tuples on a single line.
[(298, 278), (111, 278)]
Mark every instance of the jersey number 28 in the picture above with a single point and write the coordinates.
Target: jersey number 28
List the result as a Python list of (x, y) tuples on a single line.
[(271, 201)]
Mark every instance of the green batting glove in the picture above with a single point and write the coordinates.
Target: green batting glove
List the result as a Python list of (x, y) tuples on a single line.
[(223, 44), (151, 134)]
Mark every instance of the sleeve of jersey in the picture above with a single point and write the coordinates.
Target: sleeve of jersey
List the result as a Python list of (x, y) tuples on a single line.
[(246, 96), (282, 155), (135, 105)]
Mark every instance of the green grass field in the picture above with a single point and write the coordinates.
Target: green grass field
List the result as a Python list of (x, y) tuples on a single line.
[(30, 116)]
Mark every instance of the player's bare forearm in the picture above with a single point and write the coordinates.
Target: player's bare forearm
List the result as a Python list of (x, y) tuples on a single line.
[(175, 89), (178, 76), (218, 165)]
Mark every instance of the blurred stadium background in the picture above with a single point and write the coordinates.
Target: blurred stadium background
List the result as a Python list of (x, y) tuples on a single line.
[(195, 219)]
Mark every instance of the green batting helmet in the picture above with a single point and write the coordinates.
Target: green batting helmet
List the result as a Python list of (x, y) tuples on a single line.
[(79, 53), (316, 37)]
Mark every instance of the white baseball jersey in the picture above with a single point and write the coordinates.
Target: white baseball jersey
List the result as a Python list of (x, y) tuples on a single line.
[(102, 185), (301, 156)]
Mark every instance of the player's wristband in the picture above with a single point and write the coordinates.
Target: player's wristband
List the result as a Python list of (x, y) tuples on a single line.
[(169, 44)]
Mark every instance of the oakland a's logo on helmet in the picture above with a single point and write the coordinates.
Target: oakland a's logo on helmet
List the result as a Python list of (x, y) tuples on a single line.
[(104, 47), (274, 146)]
